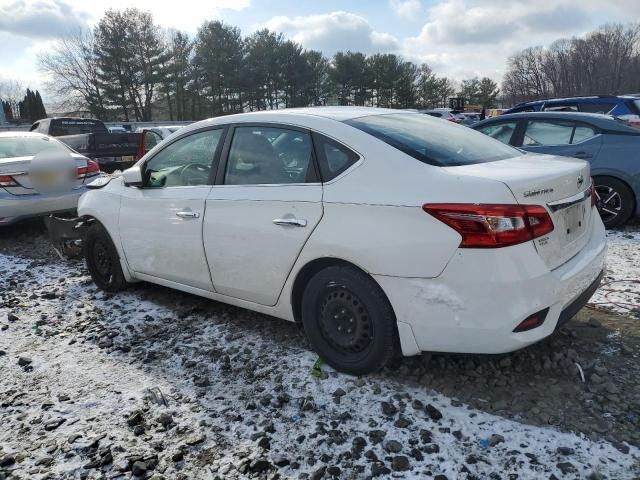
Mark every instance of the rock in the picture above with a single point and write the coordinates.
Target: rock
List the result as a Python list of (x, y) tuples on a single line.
[(359, 443), (379, 469), (505, 362), (500, 405), (388, 409), (63, 398), (139, 468), (433, 413), (471, 460), (24, 361), (440, 477), (281, 461), (196, 439), (400, 463), (402, 422), (53, 424), (565, 451), (425, 436), (376, 436), (566, 468), (334, 471), (136, 418), (318, 474), (12, 317), (393, 446), (594, 322), (339, 393), (596, 379), (495, 439), (177, 456), (611, 388), (264, 443), (431, 448), (165, 419), (7, 460), (260, 465)]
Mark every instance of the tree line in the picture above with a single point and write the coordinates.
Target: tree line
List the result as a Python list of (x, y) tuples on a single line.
[(605, 61), (129, 68), (19, 108)]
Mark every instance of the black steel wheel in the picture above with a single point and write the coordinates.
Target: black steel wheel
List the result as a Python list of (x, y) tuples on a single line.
[(102, 260), (349, 321), (614, 201)]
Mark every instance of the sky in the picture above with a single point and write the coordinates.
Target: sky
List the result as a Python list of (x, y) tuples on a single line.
[(457, 38)]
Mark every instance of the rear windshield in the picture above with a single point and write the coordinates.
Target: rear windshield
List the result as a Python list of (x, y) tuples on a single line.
[(23, 146), (73, 127), (434, 141)]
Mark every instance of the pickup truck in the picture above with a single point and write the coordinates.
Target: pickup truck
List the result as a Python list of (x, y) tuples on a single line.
[(112, 150)]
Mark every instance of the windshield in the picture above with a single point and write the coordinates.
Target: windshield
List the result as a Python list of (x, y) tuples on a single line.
[(27, 146), (434, 141)]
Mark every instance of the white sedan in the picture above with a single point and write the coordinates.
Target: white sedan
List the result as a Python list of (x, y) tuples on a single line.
[(381, 231)]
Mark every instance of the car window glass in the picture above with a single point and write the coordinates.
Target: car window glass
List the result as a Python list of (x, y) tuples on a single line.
[(500, 131), (186, 162), (566, 107), (268, 155), (334, 158), (151, 139), (547, 132), (596, 107), (582, 133)]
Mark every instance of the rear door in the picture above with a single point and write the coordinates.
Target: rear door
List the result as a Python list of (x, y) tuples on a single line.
[(266, 202), (561, 137), (161, 223)]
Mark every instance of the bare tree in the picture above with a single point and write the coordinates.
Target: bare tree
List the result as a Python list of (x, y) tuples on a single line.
[(73, 72)]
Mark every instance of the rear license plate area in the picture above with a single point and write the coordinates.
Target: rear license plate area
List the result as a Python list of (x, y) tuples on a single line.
[(574, 220)]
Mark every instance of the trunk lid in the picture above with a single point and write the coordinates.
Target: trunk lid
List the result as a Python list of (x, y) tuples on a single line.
[(18, 168), (562, 185)]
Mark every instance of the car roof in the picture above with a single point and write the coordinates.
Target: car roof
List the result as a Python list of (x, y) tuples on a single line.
[(587, 98), (605, 122), (339, 114)]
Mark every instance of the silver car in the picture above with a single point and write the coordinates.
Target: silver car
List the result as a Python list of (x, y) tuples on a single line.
[(20, 192)]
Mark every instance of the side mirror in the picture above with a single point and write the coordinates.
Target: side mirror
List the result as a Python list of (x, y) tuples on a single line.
[(132, 176)]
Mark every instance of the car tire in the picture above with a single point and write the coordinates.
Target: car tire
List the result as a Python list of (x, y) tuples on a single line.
[(614, 200), (103, 260), (349, 321)]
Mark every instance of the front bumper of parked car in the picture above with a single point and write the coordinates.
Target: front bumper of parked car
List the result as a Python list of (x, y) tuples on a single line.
[(483, 295)]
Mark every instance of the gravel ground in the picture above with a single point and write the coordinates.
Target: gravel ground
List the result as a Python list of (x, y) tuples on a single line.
[(153, 383)]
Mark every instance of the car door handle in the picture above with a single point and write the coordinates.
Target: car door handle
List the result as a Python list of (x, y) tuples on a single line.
[(582, 155), (187, 214), (290, 222)]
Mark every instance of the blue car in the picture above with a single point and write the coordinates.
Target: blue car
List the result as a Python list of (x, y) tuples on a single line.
[(611, 147), (624, 107)]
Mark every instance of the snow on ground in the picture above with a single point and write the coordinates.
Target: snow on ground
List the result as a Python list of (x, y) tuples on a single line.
[(241, 397), (620, 288)]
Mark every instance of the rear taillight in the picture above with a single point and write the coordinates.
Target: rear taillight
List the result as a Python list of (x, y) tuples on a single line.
[(91, 170), (493, 226), (635, 122), (7, 181)]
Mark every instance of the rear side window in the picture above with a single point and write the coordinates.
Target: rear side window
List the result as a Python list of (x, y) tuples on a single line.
[(333, 158), (560, 107), (73, 127), (555, 132), (433, 141), (596, 107)]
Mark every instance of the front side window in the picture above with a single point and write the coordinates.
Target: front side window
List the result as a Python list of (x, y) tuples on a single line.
[(433, 141), (268, 155), (502, 131), (185, 162), (547, 132), (151, 139)]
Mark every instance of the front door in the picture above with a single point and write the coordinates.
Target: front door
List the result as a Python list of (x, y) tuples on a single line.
[(161, 223), (259, 217)]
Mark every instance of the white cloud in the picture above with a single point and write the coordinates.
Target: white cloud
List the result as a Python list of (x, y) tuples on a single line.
[(41, 18), (405, 8), (332, 32)]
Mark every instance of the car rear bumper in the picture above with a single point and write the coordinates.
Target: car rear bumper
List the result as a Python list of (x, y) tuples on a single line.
[(482, 295), (17, 207)]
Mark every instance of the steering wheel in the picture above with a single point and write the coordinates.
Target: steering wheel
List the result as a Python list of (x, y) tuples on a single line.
[(194, 174)]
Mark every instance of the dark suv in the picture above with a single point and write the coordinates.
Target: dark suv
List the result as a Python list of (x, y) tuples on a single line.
[(624, 107)]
